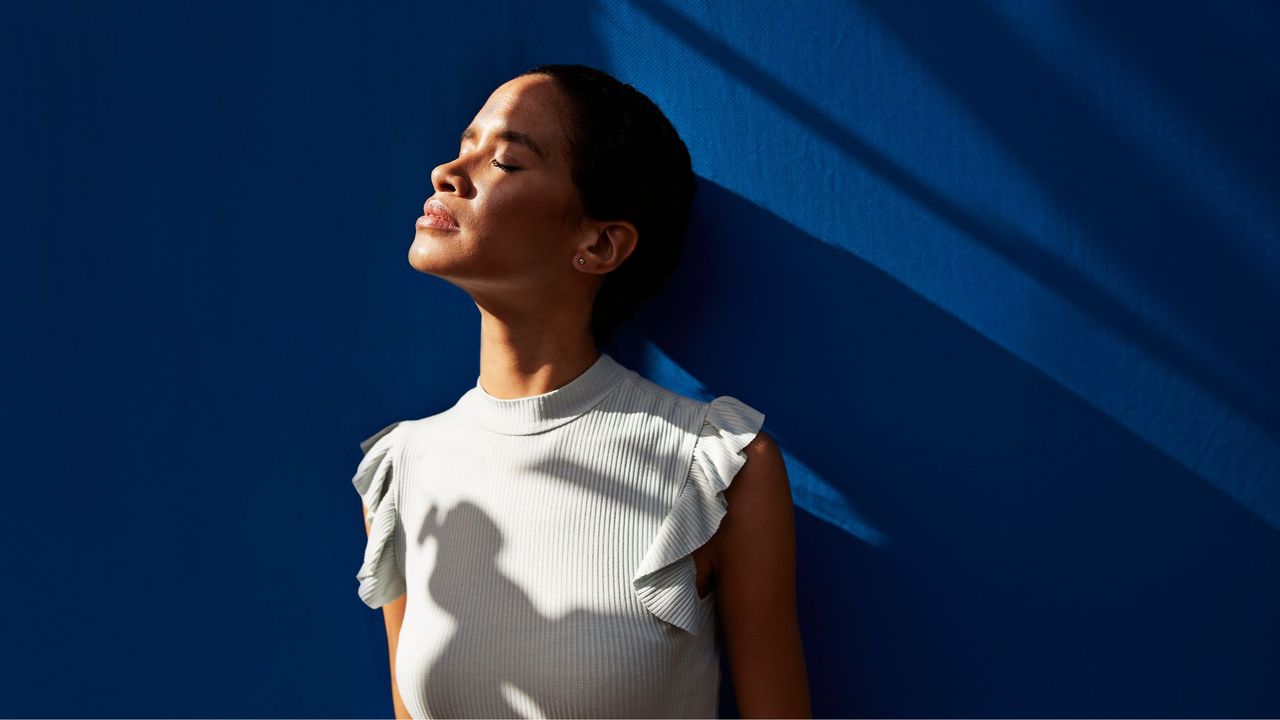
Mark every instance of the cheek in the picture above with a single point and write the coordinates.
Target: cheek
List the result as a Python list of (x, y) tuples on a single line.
[(526, 224)]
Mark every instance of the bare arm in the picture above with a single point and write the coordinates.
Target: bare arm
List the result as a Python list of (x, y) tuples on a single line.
[(755, 556), (393, 614)]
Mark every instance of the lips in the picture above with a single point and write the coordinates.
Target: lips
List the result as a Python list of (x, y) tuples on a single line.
[(436, 211)]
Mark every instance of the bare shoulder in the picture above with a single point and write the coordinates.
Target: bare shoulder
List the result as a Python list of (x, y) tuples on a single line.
[(762, 480), (756, 587), (758, 499)]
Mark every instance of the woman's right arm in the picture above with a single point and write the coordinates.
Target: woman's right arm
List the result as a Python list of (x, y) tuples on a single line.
[(393, 614)]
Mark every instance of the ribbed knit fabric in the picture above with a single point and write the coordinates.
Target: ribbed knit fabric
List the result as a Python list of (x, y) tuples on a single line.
[(544, 543)]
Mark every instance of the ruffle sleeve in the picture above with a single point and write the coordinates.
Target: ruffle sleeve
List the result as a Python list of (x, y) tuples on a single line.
[(666, 580), (381, 576)]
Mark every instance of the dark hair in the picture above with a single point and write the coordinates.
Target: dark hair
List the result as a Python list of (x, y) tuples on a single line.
[(629, 163)]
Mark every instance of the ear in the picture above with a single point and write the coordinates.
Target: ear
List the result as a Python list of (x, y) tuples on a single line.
[(611, 244)]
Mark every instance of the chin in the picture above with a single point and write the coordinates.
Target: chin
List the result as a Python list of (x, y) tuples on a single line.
[(436, 254)]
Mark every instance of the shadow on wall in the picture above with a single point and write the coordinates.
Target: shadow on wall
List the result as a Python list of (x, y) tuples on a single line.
[(1037, 547)]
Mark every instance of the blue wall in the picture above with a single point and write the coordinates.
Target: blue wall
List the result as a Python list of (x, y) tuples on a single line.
[(1003, 276)]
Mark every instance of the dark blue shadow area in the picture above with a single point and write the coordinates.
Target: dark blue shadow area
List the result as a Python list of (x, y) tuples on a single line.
[(1219, 69), (1044, 561), (1213, 310)]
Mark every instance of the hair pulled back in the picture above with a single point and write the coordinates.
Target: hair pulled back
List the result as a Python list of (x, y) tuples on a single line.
[(628, 163)]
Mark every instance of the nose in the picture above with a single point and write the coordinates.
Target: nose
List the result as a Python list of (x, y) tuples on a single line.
[(449, 178)]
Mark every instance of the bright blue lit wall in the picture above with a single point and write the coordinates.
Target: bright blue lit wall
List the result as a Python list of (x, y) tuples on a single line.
[(1003, 276)]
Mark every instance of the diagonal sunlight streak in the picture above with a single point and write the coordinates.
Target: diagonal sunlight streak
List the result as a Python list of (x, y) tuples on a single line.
[(1102, 327), (810, 492), (823, 500)]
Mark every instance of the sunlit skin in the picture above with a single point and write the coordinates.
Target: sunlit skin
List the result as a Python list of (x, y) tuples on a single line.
[(521, 230)]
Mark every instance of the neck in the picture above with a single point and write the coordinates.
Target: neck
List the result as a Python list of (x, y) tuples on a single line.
[(518, 362)]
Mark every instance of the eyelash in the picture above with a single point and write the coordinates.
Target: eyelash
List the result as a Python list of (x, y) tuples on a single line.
[(504, 168)]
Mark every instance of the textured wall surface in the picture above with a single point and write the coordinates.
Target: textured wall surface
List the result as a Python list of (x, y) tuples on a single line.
[(1003, 276)]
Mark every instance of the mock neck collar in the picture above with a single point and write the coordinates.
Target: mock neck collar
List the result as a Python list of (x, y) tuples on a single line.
[(539, 413)]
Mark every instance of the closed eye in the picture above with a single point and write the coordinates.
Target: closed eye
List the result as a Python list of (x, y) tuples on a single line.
[(504, 168)]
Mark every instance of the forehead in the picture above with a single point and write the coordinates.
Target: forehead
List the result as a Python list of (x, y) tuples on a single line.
[(531, 104)]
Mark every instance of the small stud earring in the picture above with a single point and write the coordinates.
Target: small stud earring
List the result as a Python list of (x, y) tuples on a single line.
[(581, 261)]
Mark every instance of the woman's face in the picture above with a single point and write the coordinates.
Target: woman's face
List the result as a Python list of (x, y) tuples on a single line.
[(516, 208)]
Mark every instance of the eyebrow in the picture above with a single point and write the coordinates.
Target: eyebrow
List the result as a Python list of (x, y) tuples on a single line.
[(509, 135)]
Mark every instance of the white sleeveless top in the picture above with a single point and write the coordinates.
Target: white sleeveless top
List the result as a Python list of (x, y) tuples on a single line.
[(544, 543)]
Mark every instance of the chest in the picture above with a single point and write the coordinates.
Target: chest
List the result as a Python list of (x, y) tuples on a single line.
[(566, 528), (520, 603)]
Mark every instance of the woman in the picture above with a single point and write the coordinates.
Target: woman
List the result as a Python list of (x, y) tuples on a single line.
[(571, 539)]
